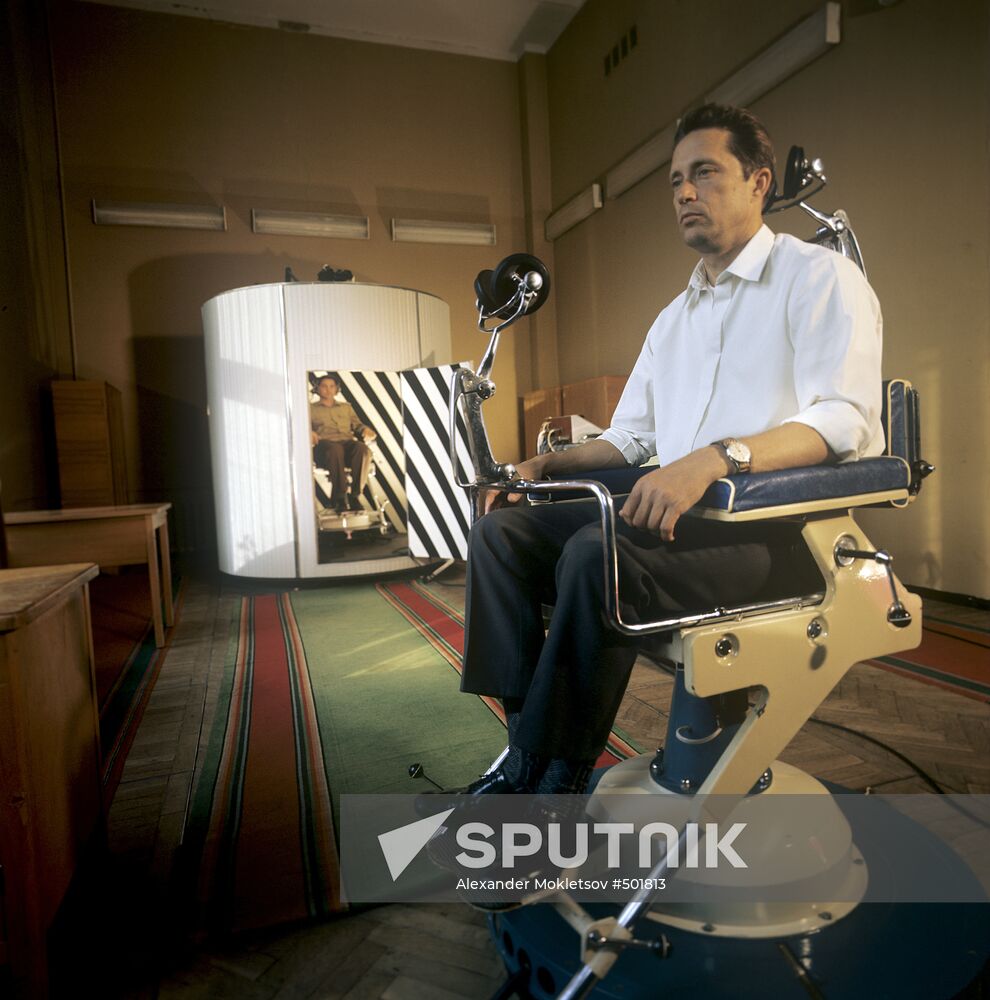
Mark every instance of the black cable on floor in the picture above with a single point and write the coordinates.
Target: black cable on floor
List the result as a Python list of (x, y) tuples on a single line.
[(917, 768), (920, 771)]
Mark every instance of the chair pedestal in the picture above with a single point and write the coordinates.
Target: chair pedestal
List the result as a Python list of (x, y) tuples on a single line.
[(721, 750), (789, 659)]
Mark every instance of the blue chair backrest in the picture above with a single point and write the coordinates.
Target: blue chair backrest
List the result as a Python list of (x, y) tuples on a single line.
[(900, 418)]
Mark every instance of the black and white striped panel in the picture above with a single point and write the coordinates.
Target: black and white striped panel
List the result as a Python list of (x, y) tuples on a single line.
[(377, 401), (439, 511)]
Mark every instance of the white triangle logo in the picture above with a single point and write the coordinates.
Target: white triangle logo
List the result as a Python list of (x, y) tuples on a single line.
[(402, 844)]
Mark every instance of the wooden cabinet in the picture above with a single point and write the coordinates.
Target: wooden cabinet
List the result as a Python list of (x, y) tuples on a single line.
[(51, 807), (594, 399), (89, 434)]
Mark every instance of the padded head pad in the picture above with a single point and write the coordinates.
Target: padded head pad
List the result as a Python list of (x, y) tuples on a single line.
[(794, 173), (483, 291), (505, 281)]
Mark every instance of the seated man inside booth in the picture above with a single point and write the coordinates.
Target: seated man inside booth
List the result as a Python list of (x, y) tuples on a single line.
[(769, 359), (339, 443)]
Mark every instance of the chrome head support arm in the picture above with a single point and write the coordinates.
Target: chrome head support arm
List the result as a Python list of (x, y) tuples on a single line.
[(516, 288), (803, 179)]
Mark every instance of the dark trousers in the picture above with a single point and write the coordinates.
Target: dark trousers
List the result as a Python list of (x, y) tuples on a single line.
[(338, 456), (571, 678)]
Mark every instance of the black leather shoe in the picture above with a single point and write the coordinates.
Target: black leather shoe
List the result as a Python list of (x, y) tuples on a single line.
[(496, 782), (526, 767), (432, 800)]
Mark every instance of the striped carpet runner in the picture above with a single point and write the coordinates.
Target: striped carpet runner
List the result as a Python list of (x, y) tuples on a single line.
[(292, 732), (953, 657), (442, 625), (269, 853), (323, 693)]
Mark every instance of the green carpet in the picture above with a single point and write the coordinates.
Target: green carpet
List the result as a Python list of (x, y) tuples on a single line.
[(325, 692), (385, 698)]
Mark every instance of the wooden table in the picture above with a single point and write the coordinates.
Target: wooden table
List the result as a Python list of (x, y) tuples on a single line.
[(110, 536), (51, 795)]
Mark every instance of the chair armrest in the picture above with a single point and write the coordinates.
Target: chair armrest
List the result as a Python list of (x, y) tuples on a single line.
[(789, 492), (807, 490)]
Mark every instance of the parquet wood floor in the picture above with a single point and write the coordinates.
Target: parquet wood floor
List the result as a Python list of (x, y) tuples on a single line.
[(439, 951)]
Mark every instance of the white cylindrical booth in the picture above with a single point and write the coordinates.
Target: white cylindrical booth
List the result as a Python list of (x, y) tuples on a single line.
[(264, 346)]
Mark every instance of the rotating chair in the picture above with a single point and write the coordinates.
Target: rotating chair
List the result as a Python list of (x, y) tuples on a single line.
[(786, 654), (372, 513), (749, 677)]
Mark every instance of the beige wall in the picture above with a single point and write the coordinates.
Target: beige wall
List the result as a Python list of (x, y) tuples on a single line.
[(899, 113), (160, 108)]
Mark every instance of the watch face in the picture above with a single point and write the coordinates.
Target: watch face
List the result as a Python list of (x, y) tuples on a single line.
[(738, 452)]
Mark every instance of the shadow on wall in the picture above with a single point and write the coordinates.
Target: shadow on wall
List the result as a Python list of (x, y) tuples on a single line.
[(174, 452), (166, 297)]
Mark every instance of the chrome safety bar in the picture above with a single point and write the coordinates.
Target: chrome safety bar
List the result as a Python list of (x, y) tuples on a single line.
[(584, 980), (610, 565)]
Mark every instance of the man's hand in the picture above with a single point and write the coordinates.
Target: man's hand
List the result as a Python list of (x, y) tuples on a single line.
[(533, 468), (585, 457), (314, 439), (368, 434), (659, 498)]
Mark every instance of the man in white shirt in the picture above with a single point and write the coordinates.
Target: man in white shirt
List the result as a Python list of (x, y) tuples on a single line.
[(770, 359)]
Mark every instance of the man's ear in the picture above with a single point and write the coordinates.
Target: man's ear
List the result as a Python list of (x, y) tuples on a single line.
[(762, 180)]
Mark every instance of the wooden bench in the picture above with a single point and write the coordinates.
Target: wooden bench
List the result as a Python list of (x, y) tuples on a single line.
[(122, 535)]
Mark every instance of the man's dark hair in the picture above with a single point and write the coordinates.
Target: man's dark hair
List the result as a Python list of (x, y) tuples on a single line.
[(749, 141)]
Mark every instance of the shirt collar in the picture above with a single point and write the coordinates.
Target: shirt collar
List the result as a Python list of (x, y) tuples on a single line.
[(748, 265)]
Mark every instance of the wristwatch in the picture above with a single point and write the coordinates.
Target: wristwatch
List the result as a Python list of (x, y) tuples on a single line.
[(737, 453)]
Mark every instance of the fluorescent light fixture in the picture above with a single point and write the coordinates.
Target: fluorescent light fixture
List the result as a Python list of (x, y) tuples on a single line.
[(576, 210), (790, 53), (641, 162), (800, 46), (337, 227), (475, 234), (161, 215)]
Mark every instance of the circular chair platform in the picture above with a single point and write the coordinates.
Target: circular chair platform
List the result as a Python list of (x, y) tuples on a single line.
[(907, 951)]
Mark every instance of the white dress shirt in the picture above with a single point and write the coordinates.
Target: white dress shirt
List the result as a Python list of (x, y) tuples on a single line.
[(790, 331)]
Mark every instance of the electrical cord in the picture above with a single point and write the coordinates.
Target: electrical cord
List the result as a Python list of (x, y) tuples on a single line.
[(920, 771)]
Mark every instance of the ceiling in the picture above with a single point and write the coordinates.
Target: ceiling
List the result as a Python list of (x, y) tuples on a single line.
[(493, 29)]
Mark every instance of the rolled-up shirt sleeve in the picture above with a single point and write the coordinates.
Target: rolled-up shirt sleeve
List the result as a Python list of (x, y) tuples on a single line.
[(633, 427), (836, 330)]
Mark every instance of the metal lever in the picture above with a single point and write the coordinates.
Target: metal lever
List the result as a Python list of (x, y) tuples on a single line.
[(897, 614), (597, 941)]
